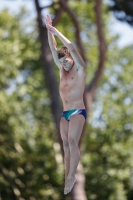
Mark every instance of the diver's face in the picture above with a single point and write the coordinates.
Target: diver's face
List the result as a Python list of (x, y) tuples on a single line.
[(67, 63)]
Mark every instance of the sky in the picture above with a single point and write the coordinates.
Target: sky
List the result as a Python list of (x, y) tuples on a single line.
[(123, 29)]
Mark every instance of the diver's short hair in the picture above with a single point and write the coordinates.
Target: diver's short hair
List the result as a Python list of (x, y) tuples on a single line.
[(63, 52)]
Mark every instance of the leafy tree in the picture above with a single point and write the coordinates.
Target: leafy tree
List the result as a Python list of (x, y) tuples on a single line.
[(28, 163), (108, 163)]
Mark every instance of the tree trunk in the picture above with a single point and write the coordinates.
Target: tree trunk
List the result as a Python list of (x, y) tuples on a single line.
[(48, 68), (78, 192)]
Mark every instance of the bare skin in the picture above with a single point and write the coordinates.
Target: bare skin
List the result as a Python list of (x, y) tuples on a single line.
[(72, 83)]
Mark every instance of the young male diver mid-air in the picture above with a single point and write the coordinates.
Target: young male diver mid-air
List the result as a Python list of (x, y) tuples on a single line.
[(72, 84)]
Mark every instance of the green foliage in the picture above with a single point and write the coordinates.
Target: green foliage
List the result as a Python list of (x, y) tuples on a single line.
[(28, 151), (109, 138)]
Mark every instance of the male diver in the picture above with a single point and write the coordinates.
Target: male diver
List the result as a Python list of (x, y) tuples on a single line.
[(72, 84)]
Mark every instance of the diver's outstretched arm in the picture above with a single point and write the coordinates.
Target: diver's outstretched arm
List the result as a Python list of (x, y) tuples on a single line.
[(52, 42)]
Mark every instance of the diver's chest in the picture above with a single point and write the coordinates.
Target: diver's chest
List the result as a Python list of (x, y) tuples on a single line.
[(69, 81)]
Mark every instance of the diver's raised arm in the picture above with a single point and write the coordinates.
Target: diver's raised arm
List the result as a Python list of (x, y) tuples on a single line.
[(75, 55), (52, 42)]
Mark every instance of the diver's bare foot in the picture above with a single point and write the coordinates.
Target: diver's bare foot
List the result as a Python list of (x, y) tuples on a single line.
[(69, 184)]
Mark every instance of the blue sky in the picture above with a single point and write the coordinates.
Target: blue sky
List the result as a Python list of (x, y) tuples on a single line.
[(123, 29)]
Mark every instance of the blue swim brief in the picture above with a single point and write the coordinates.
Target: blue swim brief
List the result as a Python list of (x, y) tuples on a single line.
[(67, 114)]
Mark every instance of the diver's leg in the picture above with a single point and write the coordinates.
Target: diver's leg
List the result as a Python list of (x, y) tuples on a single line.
[(76, 124), (64, 135)]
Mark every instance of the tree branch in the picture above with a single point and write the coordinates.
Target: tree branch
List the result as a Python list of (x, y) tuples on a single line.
[(50, 74), (64, 6), (90, 90), (58, 14), (76, 24)]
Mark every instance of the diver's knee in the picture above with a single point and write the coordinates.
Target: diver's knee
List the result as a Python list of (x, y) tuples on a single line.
[(66, 145), (72, 142)]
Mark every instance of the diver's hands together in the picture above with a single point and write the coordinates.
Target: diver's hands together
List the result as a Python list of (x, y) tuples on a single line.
[(52, 29), (48, 20), (49, 26)]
